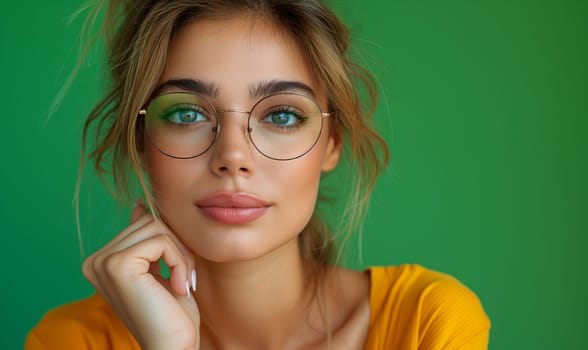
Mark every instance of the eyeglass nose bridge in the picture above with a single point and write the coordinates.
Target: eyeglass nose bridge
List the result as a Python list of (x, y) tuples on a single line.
[(233, 110)]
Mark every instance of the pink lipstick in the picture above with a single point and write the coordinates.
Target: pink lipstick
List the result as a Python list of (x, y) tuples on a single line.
[(232, 208)]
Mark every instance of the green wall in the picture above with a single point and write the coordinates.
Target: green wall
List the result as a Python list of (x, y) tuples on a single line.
[(485, 107)]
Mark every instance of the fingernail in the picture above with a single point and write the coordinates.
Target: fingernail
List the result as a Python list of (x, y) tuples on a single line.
[(187, 289), (193, 275)]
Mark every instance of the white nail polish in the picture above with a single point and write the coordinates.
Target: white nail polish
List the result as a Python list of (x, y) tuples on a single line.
[(187, 289), (193, 275)]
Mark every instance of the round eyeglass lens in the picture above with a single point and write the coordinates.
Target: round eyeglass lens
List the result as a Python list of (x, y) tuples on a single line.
[(181, 125), (285, 126)]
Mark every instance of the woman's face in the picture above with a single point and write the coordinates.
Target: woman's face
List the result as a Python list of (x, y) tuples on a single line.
[(232, 203)]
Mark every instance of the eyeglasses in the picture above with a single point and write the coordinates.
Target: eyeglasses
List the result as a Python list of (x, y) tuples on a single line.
[(283, 126)]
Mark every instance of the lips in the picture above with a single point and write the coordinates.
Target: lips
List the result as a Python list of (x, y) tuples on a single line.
[(232, 208)]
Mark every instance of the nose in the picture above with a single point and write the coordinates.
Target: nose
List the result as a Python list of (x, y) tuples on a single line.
[(232, 151)]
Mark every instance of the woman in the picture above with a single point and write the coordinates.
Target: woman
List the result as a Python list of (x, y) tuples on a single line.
[(228, 113)]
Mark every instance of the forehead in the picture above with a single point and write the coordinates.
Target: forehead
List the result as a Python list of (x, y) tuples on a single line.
[(235, 54)]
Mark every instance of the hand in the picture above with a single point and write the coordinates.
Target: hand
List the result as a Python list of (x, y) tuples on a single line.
[(160, 313)]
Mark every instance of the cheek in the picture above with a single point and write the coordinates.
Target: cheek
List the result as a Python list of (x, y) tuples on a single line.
[(170, 178), (299, 183)]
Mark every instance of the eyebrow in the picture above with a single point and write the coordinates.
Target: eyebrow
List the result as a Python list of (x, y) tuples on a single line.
[(259, 90), (196, 86), (266, 88)]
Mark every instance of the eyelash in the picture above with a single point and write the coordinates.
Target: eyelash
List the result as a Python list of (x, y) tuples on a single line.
[(300, 117), (182, 108)]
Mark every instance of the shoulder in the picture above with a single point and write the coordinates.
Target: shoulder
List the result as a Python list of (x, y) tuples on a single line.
[(428, 308), (85, 324)]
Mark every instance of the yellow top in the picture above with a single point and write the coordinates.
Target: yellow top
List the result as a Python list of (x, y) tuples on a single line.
[(416, 308), (411, 308)]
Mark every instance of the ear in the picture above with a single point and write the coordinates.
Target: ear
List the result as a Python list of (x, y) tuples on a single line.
[(333, 151)]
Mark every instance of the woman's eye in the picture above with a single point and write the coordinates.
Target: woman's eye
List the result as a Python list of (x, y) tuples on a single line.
[(284, 118), (184, 115)]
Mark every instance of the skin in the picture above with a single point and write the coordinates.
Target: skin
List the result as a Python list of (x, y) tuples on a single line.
[(251, 277)]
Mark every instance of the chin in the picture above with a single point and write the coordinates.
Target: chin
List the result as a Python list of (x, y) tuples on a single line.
[(239, 244)]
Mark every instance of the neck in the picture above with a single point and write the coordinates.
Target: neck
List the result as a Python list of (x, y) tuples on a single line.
[(241, 302)]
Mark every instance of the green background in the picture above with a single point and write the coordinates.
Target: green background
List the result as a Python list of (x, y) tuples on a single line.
[(484, 105)]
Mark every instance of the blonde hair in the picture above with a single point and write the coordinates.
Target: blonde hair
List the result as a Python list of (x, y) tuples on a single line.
[(137, 36)]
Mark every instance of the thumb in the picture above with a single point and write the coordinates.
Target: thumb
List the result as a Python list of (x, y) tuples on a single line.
[(137, 211)]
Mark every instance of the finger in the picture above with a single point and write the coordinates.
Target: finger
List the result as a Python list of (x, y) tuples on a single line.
[(150, 229), (139, 224), (185, 251), (93, 264), (176, 276), (139, 258), (127, 239), (90, 262)]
